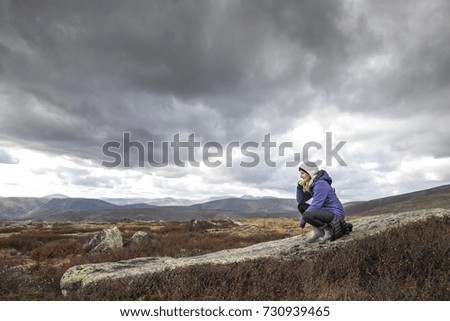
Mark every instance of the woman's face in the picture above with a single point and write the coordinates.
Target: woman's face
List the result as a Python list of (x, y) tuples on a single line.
[(304, 176)]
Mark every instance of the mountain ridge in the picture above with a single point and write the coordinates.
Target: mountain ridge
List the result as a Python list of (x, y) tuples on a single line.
[(86, 209)]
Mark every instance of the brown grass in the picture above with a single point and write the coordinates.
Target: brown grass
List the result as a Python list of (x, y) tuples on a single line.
[(34, 259), (410, 263)]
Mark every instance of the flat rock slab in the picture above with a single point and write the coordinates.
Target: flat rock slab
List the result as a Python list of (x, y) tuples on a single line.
[(79, 276)]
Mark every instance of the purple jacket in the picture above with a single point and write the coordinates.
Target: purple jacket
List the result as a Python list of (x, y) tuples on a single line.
[(323, 196)]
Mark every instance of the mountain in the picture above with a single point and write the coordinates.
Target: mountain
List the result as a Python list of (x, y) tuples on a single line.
[(57, 205), (437, 197), (20, 208), (166, 201), (263, 205), (13, 207), (84, 209)]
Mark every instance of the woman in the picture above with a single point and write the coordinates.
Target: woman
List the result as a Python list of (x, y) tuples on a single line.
[(326, 213)]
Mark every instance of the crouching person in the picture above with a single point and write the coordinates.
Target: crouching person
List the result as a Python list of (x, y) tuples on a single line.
[(326, 213)]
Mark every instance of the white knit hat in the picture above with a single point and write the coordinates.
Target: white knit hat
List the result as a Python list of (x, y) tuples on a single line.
[(310, 168)]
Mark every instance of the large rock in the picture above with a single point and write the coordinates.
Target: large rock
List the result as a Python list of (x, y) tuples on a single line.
[(82, 275), (138, 238), (105, 240)]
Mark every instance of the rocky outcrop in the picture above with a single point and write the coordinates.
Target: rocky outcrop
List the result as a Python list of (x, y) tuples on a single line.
[(138, 238), (233, 222), (82, 275), (105, 240)]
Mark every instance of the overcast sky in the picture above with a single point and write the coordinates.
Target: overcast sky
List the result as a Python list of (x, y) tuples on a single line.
[(77, 74)]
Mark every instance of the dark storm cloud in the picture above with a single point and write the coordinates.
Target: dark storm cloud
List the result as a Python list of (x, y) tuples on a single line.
[(75, 74), (411, 65), (80, 59)]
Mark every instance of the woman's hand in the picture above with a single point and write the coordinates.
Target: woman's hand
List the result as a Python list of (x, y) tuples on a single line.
[(302, 183)]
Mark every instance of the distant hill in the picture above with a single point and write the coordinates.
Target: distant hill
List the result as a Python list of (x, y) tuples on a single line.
[(145, 214), (12, 208), (30, 208), (429, 198), (166, 201), (437, 197), (57, 205), (84, 209), (263, 205)]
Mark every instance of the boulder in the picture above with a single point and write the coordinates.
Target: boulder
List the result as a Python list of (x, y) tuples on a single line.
[(201, 224), (252, 229), (138, 237), (105, 240), (236, 223)]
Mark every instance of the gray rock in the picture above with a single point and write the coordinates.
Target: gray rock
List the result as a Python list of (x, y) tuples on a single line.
[(233, 222), (105, 240), (79, 276), (138, 237), (252, 229)]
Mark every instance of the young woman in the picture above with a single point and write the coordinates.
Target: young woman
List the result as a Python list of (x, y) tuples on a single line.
[(326, 213)]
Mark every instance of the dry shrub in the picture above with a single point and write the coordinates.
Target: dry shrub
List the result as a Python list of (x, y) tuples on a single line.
[(15, 286), (44, 255), (11, 230), (57, 249), (407, 263), (62, 228), (27, 240), (191, 243)]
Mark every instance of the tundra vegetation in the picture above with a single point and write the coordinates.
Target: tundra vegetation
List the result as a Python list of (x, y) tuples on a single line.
[(408, 263)]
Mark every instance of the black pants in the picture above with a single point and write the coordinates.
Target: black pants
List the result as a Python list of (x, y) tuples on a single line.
[(316, 218)]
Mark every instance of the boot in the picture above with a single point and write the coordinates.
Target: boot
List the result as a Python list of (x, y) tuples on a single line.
[(318, 233), (350, 227), (328, 234)]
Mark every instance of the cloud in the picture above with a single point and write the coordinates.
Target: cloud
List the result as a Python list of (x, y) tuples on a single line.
[(7, 158), (86, 69), (77, 74)]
